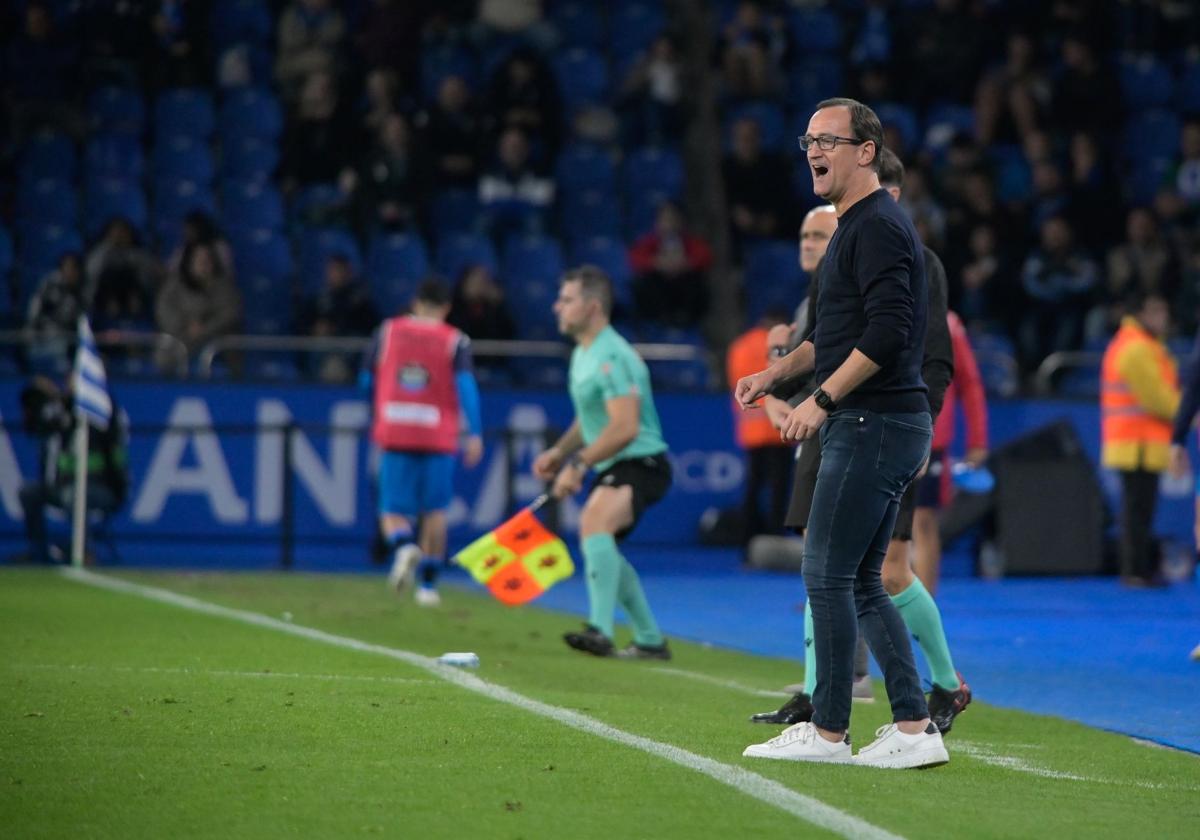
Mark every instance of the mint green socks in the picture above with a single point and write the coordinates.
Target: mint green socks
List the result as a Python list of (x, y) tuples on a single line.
[(610, 579), (924, 621), (810, 652)]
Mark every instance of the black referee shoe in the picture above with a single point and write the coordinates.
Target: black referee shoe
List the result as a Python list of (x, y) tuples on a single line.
[(635, 651), (797, 710), (590, 641), (945, 705)]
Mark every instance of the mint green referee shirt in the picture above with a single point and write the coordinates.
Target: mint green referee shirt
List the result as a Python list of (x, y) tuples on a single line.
[(610, 368)]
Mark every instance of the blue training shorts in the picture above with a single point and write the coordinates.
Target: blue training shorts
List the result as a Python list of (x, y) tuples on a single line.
[(412, 483)]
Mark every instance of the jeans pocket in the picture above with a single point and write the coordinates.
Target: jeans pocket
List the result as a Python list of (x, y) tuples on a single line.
[(903, 448)]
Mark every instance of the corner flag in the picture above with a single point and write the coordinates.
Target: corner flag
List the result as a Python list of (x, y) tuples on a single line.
[(520, 559), (88, 380)]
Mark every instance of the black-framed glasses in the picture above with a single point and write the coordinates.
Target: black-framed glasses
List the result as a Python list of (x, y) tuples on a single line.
[(826, 142)]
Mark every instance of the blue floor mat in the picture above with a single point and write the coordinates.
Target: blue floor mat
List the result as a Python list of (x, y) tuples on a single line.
[(1082, 648)]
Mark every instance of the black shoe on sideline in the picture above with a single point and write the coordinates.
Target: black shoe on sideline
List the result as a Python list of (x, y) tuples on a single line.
[(590, 641), (797, 710), (945, 705), (635, 651)]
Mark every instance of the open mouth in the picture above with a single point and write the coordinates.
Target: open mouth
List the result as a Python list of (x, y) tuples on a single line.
[(819, 170)]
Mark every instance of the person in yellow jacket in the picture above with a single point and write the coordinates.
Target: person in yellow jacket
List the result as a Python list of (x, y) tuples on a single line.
[(1139, 395)]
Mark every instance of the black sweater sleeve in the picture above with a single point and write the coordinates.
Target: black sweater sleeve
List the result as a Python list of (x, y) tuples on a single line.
[(937, 366), (1190, 402), (883, 260)]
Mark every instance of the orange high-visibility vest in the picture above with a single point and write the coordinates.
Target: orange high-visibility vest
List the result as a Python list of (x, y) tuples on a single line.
[(1131, 436)]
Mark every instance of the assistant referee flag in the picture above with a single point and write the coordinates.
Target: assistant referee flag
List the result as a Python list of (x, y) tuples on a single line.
[(519, 560)]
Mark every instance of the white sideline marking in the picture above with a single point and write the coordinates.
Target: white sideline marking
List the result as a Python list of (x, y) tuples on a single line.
[(987, 753), (759, 787), (205, 672), (722, 683)]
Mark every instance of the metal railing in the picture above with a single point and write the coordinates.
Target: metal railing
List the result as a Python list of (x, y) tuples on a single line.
[(1063, 361), (171, 353)]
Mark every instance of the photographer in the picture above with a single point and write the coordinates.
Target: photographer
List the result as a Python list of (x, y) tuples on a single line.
[(48, 414)]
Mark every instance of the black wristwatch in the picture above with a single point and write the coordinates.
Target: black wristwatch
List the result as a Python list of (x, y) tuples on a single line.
[(824, 401)]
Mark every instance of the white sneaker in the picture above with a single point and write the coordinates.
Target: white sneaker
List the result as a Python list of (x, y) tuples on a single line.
[(426, 597), (862, 692), (897, 751), (802, 742), (404, 567)]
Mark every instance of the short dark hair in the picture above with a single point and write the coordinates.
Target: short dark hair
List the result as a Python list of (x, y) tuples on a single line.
[(594, 283), (433, 292), (1136, 300), (864, 123), (891, 169)]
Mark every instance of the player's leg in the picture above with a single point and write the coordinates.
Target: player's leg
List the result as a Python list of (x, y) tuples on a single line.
[(436, 493), (927, 541), (606, 511), (397, 516)]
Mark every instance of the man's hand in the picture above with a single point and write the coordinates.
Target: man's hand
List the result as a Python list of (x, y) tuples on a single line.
[(1177, 461), (546, 464), (569, 481), (804, 421), (472, 451), (750, 388), (777, 410)]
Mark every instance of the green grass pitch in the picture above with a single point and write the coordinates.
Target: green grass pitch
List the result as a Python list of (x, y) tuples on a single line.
[(123, 716)]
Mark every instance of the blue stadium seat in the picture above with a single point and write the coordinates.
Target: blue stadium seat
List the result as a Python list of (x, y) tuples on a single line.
[(49, 155), (317, 205), (439, 62), (40, 249), (110, 198), (250, 159), (6, 254), (816, 30), (944, 122), (396, 265), (579, 22), (456, 211), (113, 155), (772, 278), (267, 303), (182, 158), (261, 253), (1187, 89), (241, 21), (612, 256), (810, 81), (902, 118), (654, 170), (462, 250), (184, 112), (117, 110), (633, 26), (643, 210), (680, 375), (1152, 134), (771, 124), (589, 213), (317, 246), (251, 206), (47, 201), (1014, 179), (583, 166), (1146, 82), (250, 112), (582, 77), (530, 272), (173, 200), (543, 372)]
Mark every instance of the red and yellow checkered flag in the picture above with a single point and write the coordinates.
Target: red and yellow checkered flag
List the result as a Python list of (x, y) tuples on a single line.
[(520, 559)]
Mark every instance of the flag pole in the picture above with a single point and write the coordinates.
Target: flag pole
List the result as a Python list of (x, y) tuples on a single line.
[(79, 512)]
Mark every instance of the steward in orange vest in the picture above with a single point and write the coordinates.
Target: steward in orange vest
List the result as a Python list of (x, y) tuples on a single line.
[(1139, 394)]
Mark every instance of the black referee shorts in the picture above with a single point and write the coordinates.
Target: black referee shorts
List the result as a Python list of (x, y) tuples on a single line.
[(649, 476)]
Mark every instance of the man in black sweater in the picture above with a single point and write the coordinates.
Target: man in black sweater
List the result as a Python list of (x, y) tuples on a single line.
[(871, 411), (950, 695)]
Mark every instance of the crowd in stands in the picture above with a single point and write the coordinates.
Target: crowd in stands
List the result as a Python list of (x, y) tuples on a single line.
[(206, 167)]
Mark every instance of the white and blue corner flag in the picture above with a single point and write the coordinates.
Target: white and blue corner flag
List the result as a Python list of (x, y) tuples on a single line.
[(90, 383)]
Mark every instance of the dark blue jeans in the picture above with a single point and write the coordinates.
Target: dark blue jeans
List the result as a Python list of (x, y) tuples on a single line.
[(867, 460)]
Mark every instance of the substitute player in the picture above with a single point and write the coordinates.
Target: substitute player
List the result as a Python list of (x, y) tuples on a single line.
[(421, 372), (616, 432)]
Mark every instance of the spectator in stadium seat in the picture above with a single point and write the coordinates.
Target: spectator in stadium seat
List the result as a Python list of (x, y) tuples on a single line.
[(1087, 94), (1010, 100), (757, 205), (651, 95), (1093, 196), (389, 37), (40, 70), (453, 134), (53, 317), (321, 139), (182, 45), (479, 308), (670, 267), (1139, 396), (940, 47), (983, 294), (381, 93), (751, 51), (524, 95), (198, 302), (1059, 282), (311, 33), (124, 275), (199, 227), (342, 307), (1187, 173), (509, 18), (1142, 263), (390, 187), (515, 197)]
